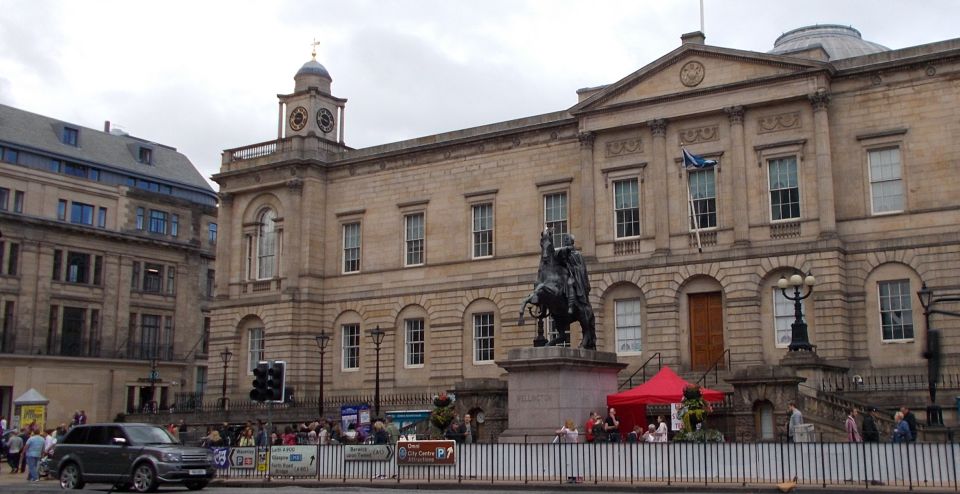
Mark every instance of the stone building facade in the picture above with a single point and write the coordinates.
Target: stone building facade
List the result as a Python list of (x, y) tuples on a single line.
[(835, 157), (107, 252)]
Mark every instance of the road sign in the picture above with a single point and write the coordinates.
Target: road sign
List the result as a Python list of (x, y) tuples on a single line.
[(367, 452), (426, 453), (245, 457), (154, 375)]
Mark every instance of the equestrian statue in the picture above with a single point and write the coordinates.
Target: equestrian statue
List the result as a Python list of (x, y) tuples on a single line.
[(561, 292)]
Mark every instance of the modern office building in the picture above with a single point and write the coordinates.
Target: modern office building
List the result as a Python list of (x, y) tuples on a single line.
[(835, 156), (107, 253)]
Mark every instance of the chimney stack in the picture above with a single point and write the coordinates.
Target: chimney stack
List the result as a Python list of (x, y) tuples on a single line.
[(694, 38), (106, 126)]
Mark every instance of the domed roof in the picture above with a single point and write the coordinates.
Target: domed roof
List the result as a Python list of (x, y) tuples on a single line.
[(313, 67), (838, 41)]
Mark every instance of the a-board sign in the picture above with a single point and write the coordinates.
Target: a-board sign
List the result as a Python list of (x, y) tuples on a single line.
[(426, 453), (367, 452)]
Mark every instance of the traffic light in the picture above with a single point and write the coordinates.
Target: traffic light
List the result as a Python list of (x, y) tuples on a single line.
[(260, 374), (275, 381)]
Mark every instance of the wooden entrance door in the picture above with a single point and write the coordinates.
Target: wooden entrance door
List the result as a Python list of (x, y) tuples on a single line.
[(706, 329)]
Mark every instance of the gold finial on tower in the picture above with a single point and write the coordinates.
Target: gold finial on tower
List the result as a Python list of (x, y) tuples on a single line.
[(313, 52)]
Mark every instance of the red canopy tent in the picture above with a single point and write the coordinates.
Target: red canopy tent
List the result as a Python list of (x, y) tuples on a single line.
[(664, 388)]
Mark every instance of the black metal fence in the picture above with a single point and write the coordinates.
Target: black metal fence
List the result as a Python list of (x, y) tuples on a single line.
[(861, 465), (839, 383)]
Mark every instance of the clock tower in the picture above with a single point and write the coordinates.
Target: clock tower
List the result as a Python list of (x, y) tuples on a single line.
[(310, 109)]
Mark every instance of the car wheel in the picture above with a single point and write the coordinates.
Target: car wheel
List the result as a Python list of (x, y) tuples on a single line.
[(144, 478), (70, 477), (195, 485)]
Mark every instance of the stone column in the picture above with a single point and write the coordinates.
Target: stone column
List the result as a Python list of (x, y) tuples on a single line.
[(658, 185), (737, 168), (821, 130), (227, 235), (293, 231), (588, 207)]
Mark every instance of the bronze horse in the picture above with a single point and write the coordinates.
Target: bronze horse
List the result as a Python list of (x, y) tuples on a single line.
[(550, 296)]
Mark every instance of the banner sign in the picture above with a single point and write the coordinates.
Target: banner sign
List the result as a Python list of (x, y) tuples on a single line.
[(293, 461), (221, 457), (426, 453), (675, 423), (367, 452), (245, 457), (33, 416)]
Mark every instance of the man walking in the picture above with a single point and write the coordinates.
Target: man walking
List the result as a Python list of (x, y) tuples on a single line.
[(911, 421), (871, 433), (33, 450), (796, 420)]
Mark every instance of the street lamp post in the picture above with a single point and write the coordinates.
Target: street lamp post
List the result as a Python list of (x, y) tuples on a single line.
[(225, 356), (323, 339), (798, 330), (932, 351), (377, 335)]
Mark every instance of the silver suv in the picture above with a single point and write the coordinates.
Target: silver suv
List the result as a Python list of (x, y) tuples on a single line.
[(138, 456)]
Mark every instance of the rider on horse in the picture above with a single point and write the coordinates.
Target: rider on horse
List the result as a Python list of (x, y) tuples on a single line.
[(578, 287)]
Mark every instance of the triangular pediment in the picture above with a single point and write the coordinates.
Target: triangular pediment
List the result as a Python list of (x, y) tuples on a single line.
[(696, 69)]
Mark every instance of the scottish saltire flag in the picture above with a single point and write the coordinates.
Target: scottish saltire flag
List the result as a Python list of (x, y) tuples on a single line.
[(694, 162)]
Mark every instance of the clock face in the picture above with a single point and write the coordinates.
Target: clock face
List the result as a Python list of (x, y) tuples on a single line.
[(325, 120), (298, 118)]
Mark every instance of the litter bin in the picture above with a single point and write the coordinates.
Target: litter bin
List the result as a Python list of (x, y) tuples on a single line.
[(803, 433)]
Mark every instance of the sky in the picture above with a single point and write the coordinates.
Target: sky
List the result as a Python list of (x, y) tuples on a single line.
[(202, 76)]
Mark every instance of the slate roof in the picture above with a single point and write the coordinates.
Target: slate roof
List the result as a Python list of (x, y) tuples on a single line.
[(116, 152), (838, 41)]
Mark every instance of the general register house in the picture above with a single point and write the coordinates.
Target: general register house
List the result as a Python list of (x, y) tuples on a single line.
[(836, 156)]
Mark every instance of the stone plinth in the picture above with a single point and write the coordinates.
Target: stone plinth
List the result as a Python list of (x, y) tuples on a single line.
[(812, 368), (548, 385), (755, 385)]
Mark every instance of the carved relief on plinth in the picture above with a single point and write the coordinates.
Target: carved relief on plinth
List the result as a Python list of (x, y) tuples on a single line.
[(698, 134), (621, 147), (778, 122)]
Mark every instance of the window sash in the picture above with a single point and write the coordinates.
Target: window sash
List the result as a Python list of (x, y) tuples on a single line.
[(4, 198), (628, 326), (414, 239), (78, 267), (149, 335), (266, 245), (886, 180), (351, 247), (555, 215), (212, 233), (896, 310), (414, 348), (255, 348), (483, 337), (482, 230), (158, 221), (139, 224), (703, 192), (81, 213), (784, 188), (152, 277), (351, 346), (626, 206)]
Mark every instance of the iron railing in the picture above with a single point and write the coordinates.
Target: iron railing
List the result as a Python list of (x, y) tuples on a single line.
[(642, 371), (715, 368), (851, 465), (911, 382)]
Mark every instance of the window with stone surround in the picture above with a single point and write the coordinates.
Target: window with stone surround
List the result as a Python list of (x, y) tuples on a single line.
[(628, 326), (255, 348), (896, 310), (483, 337), (555, 215), (886, 180), (351, 248), (784, 188), (413, 239), (350, 346), (482, 230), (626, 206), (703, 194), (266, 245), (414, 345)]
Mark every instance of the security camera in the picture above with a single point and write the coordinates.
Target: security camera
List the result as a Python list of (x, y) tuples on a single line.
[(857, 379)]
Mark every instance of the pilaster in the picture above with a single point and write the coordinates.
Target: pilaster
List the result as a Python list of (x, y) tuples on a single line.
[(658, 186)]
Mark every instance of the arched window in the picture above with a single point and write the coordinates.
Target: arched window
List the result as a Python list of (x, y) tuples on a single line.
[(266, 244)]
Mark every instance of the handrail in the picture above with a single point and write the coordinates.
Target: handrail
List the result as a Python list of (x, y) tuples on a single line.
[(644, 369), (715, 369)]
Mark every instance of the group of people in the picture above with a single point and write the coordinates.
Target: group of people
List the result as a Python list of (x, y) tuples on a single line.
[(322, 431), (607, 429), (26, 448), (866, 429), (461, 431)]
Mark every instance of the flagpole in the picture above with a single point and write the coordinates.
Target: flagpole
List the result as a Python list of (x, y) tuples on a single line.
[(693, 213), (701, 16)]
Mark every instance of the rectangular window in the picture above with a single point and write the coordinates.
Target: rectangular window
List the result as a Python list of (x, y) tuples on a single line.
[(629, 334), (784, 189), (205, 339), (482, 230), (81, 213), (166, 339), (11, 155), (13, 260), (71, 332), (135, 276), (351, 248), (886, 182), (18, 201), (145, 155), (4, 198), (140, 219), (102, 218), (152, 277), (95, 333), (212, 233), (174, 224), (70, 136), (98, 270), (249, 258), (555, 215), (200, 385), (783, 318), (57, 264), (55, 166), (483, 337), (6, 338), (703, 192), (414, 348), (52, 329), (413, 236), (255, 348), (78, 267), (626, 205), (896, 312), (351, 346), (74, 169), (149, 336), (62, 210), (211, 280), (171, 280), (158, 221)]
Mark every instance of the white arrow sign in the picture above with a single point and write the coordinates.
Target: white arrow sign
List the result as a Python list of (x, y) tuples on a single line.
[(368, 452)]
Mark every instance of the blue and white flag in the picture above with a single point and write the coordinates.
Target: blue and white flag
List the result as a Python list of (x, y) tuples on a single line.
[(694, 162)]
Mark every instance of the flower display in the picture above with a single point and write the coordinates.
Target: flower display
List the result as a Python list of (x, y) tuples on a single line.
[(693, 413), (442, 413)]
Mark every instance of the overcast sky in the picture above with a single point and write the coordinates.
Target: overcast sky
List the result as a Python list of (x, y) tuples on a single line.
[(203, 76)]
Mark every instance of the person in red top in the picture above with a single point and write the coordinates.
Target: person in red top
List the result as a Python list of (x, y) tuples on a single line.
[(588, 427), (289, 437)]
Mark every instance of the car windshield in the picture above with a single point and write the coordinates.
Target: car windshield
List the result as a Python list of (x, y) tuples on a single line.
[(149, 435)]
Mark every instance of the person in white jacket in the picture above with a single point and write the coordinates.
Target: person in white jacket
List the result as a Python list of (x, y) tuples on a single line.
[(662, 430)]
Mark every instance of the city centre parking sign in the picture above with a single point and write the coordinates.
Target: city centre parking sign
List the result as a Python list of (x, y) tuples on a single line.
[(426, 453)]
